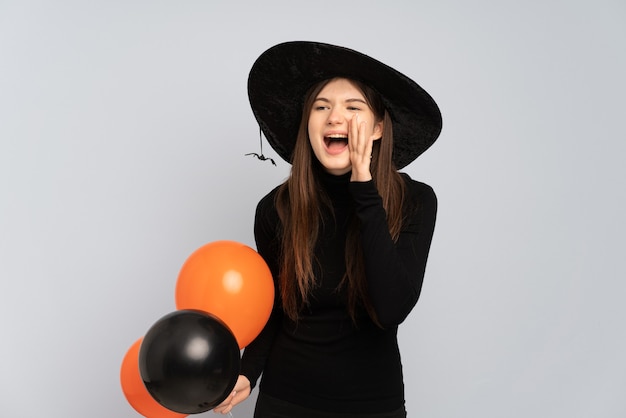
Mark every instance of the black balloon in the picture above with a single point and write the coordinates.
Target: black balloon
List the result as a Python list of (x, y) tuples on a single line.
[(189, 361)]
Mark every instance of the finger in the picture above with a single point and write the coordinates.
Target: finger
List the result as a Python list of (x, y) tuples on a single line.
[(239, 397), (223, 410), (360, 137), (226, 403), (366, 143), (355, 137)]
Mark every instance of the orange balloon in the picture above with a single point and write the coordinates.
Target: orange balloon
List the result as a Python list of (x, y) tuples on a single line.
[(231, 281), (135, 391)]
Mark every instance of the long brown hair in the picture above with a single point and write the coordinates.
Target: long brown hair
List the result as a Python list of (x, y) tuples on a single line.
[(300, 207)]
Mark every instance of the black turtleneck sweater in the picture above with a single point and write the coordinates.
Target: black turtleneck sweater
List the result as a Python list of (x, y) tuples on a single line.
[(326, 361)]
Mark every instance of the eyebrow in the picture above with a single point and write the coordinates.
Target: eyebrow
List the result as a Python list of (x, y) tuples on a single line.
[(352, 100)]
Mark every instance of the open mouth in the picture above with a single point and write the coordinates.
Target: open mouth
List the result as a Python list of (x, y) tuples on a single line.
[(336, 142)]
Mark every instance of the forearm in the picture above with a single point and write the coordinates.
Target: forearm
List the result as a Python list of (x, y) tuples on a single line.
[(394, 270)]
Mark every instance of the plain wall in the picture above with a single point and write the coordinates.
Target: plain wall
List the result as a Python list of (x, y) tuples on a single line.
[(123, 129)]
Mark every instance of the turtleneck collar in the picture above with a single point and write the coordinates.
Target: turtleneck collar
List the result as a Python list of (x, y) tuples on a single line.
[(337, 187)]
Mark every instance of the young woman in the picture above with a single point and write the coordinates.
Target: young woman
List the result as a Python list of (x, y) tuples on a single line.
[(346, 236)]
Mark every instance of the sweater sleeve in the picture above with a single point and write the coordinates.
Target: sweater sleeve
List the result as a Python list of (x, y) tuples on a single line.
[(265, 233), (395, 270)]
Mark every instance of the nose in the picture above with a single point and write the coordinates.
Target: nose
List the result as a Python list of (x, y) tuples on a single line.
[(335, 117)]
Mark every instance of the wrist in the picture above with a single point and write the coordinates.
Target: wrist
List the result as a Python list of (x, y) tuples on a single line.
[(361, 177)]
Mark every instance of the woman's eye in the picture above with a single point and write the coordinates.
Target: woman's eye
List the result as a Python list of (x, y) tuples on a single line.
[(321, 107), (353, 108)]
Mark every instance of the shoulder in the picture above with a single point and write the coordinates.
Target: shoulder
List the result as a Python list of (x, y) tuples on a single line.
[(266, 215), (420, 201), (418, 191), (267, 202)]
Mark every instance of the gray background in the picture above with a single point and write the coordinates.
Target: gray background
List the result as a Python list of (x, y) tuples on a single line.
[(123, 129)]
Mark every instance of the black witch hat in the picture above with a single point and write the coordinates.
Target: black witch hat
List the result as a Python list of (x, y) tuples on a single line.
[(281, 76)]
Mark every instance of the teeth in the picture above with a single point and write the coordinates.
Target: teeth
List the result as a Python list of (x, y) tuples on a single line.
[(338, 136)]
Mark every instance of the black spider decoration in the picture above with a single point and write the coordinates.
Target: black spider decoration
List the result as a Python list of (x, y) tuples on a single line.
[(261, 156)]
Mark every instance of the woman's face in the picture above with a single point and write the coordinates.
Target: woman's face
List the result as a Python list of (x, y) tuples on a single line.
[(333, 109)]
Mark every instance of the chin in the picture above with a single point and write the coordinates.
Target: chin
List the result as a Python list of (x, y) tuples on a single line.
[(335, 164), (337, 171)]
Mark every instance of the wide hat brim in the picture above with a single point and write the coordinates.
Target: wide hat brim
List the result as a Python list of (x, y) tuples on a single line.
[(282, 75)]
